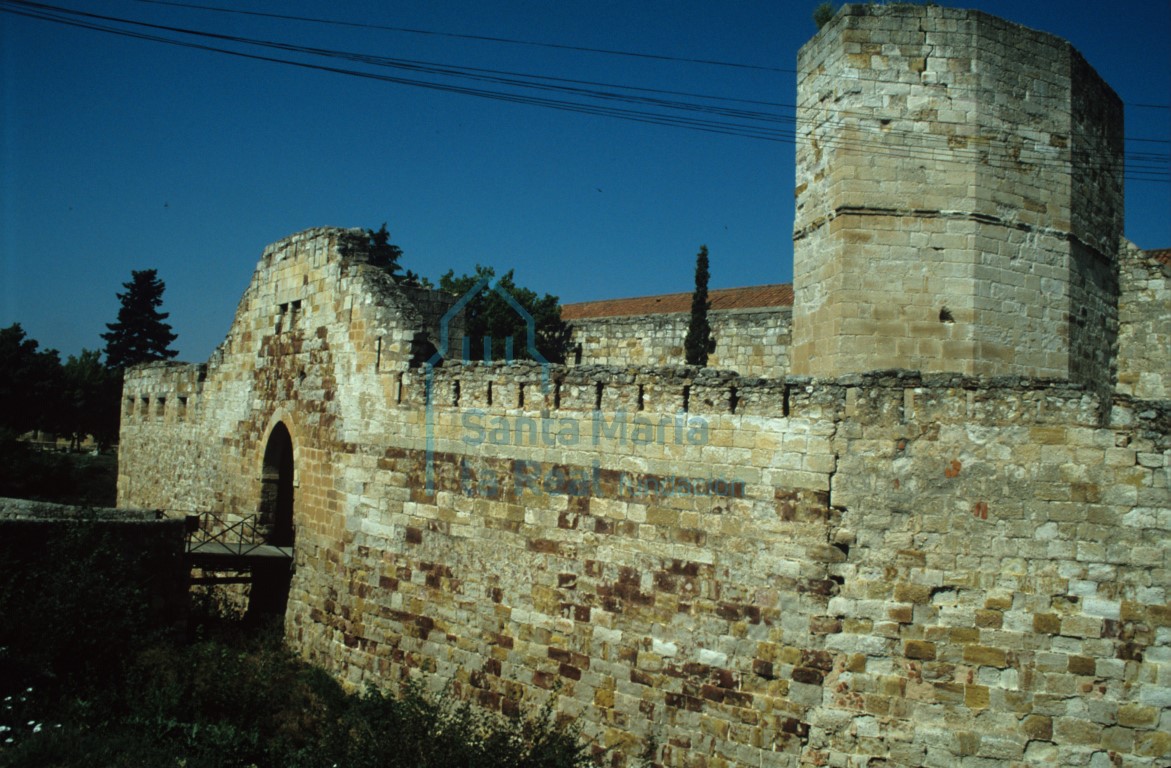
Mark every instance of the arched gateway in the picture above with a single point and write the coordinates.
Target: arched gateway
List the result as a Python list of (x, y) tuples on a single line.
[(270, 581)]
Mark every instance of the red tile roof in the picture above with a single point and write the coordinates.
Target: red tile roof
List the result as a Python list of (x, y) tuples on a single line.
[(1161, 255), (755, 296)]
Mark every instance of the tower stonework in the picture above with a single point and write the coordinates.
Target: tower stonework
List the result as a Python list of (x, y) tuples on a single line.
[(959, 199)]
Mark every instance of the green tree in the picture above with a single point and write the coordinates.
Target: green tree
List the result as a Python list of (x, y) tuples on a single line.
[(378, 249), (30, 382), (90, 399), (489, 315), (698, 343), (139, 335), (384, 253)]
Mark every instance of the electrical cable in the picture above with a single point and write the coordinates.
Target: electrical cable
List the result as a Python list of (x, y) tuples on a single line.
[(1144, 166)]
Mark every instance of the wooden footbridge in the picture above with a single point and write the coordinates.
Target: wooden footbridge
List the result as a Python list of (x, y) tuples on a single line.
[(229, 552)]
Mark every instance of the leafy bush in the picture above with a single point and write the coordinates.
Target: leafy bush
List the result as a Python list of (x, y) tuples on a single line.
[(417, 731), (234, 698), (75, 601)]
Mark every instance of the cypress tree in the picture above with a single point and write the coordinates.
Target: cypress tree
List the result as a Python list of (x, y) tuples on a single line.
[(698, 343)]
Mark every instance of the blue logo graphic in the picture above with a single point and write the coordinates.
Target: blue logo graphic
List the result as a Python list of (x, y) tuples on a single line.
[(441, 354)]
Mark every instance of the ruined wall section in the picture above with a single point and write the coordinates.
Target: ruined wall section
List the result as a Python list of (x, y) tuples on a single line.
[(535, 563), (967, 171), (1144, 313), (433, 306), (195, 438), (1007, 579), (752, 342)]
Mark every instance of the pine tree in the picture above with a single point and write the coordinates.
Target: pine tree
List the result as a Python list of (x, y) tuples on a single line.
[(384, 253), (139, 335), (698, 343), (377, 250)]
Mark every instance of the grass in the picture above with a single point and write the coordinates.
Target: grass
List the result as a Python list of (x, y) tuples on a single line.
[(65, 478)]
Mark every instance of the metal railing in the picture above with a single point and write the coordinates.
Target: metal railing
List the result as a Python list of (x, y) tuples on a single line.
[(241, 537)]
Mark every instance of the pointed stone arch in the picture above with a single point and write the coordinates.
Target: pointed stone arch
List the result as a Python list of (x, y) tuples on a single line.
[(277, 487), (271, 581)]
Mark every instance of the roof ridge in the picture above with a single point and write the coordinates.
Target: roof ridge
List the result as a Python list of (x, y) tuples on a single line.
[(741, 297)]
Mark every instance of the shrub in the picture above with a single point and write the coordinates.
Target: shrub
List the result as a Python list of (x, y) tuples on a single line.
[(235, 700), (823, 14)]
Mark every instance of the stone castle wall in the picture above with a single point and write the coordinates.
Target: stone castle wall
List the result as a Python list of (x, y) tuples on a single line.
[(752, 342), (1144, 315), (737, 571), (866, 567)]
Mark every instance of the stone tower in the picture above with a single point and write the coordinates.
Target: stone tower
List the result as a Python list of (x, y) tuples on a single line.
[(959, 199)]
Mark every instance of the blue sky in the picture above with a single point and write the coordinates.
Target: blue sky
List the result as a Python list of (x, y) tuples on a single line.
[(119, 154)]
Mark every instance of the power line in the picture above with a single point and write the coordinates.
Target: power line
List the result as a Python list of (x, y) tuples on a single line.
[(448, 70), (711, 118), (383, 61), (717, 126), (484, 38), (510, 41)]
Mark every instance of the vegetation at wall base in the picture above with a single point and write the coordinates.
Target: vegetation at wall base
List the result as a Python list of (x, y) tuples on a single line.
[(108, 690), (223, 702)]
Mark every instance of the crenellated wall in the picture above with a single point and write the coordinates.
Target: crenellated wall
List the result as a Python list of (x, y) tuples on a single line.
[(750, 567), (925, 569)]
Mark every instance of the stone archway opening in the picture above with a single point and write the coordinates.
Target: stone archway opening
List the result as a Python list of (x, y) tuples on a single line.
[(271, 580)]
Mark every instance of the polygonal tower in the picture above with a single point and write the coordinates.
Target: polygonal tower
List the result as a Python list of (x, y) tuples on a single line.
[(959, 199)]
